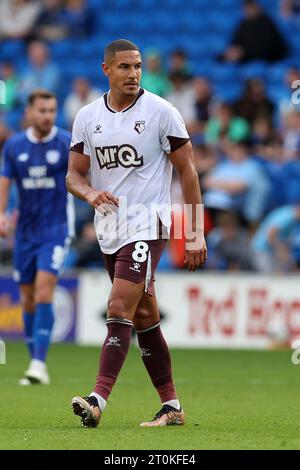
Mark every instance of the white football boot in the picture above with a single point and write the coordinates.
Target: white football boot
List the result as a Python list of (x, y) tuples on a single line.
[(37, 373)]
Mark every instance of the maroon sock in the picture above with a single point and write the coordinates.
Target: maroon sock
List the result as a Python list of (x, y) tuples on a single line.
[(113, 354), (157, 360)]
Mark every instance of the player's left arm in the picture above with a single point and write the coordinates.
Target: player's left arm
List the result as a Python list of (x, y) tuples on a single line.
[(183, 161)]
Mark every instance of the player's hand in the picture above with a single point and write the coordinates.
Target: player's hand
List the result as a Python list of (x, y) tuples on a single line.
[(103, 201), (194, 258), (4, 225)]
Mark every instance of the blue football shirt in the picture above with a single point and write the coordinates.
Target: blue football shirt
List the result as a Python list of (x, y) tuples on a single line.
[(39, 168)]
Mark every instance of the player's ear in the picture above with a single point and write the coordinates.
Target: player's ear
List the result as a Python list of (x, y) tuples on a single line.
[(27, 111), (105, 69)]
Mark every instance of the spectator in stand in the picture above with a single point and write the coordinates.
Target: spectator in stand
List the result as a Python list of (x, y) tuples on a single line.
[(17, 18), (87, 248), (202, 105), (254, 102), (290, 85), (290, 9), (41, 72), (182, 97), (228, 243), (81, 95), (224, 125), (256, 38), (238, 184), (271, 246), (265, 140), (9, 76), (291, 134), (78, 18), (50, 25), (179, 63), (154, 78), (63, 18)]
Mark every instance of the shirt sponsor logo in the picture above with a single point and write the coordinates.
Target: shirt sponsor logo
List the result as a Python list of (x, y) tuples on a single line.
[(118, 155), (23, 157), (139, 126)]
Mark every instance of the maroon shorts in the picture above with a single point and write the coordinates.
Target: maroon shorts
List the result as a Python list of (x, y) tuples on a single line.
[(136, 262)]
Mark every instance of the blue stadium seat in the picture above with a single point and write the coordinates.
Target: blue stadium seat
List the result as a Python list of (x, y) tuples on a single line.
[(228, 93), (13, 119), (140, 23), (291, 182), (276, 93), (204, 68), (164, 22), (61, 50), (222, 23), (113, 23), (194, 22), (225, 73), (276, 73), (216, 43), (254, 69), (9, 50)]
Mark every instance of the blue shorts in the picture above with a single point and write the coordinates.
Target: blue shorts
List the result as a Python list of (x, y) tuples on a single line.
[(31, 257)]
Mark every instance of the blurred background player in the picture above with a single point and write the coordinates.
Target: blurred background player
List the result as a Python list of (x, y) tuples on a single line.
[(132, 122), (37, 161)]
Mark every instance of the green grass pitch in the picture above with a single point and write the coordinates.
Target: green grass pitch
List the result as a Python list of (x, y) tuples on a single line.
[(232, 400)]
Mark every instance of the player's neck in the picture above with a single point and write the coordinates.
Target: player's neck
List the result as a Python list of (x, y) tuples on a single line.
[(119, 102), (38, 134)]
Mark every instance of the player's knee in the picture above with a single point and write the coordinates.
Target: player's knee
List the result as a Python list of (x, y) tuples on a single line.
[(142, 314), (27, 303), (118, 308), (143, 319), (43, 294)]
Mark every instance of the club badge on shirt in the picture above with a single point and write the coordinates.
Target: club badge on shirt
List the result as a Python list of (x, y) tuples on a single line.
[(139, 126), (52, 156)]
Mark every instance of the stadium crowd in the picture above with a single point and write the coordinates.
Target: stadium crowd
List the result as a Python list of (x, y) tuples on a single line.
[(234, 78)]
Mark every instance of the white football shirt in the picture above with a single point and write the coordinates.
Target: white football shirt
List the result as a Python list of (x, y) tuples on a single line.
[(128, 157)]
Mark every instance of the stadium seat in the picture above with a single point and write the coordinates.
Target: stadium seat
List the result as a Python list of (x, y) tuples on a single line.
[(276, 73), (254, 69), (13, 119), (291, 182), (225, 73), (9, 50), (228, 92)]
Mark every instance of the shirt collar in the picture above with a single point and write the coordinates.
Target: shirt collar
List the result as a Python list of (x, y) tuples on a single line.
[(31, 137)]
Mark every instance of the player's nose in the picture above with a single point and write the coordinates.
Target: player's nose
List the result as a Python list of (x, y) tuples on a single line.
[(132, 72)]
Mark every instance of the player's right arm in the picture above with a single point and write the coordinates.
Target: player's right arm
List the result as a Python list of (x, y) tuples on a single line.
[(77, 180), (5, 184), (7, 174), (77, 184)]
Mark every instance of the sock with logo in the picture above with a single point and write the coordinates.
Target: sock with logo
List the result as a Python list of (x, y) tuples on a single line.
[(157, 360), (113, 354), (28, 321), (43, 325)]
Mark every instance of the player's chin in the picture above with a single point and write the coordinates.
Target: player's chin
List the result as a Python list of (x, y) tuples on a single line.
[(130, 89), (45, 129)]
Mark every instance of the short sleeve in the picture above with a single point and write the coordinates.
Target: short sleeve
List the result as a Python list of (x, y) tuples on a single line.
[(7, 163), (173, 133), (79, 141)]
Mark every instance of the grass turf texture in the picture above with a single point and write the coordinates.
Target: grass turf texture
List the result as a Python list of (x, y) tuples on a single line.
[(232, 400)]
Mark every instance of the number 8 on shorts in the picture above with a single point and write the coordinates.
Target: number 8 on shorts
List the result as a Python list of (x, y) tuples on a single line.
[(140, 252)]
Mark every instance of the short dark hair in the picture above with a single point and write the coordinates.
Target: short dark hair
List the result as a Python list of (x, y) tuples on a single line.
[(117, 46), (47, 95)]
